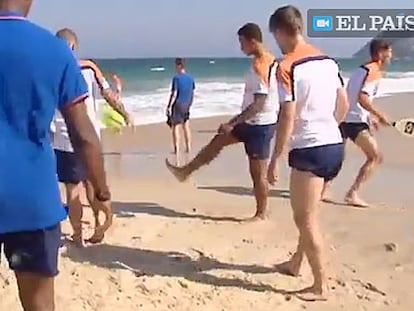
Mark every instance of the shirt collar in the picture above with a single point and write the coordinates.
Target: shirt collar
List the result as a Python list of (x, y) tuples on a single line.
[(11, 15)]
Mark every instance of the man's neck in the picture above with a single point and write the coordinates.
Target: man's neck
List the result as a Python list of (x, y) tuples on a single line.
[(260, 52), (295, 42), (9, 6)]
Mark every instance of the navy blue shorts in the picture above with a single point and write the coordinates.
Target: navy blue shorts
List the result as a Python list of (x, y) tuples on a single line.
[(352, 130), (180, 113), (256, 139), (69, 167), (34, 252), (322, 161)]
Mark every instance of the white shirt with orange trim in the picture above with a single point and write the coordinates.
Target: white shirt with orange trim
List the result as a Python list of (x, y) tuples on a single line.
[(96, 83), (365, 79), (311, 80), (266, 85)]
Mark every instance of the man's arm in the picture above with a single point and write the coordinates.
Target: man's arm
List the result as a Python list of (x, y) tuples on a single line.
[(286, 115), (113, 101), (260, 89), (173, 94), (250, 111), (86, 143), (342, 103), (106, 92), (366, 102)]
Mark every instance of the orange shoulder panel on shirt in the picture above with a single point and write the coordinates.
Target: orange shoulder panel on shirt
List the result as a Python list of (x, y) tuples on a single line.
[(92, 65), (262, 65), (374, 72)]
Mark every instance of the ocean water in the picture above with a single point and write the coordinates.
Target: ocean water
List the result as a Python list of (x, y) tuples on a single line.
[(219, 84)]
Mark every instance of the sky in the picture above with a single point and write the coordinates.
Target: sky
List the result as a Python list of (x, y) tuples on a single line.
[(187, 28)]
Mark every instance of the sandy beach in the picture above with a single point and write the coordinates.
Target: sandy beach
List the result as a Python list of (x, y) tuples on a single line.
[(182, 247)]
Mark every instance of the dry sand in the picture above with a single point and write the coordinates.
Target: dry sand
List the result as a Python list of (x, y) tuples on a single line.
[(180, 246)]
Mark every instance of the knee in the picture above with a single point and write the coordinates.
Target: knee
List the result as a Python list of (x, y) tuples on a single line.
[(376, 158)]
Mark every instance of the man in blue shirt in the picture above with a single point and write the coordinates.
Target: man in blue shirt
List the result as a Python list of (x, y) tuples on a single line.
[(38, 73), (178, 109)]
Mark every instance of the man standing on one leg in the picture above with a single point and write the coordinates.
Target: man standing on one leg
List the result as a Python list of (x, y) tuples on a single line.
[(179, 104), (70, 169), (38, 74), (254, 126), (313, 103), (363, 117)]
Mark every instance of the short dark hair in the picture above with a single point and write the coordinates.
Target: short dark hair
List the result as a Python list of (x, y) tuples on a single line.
[(287, 18), (251, 31), (68, 34), (180, 62), (378, 45)]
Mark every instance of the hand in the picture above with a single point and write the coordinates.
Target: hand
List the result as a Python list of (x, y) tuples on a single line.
[(128, 120), (373, 124), (273, 173), (225, 128), (384, 121), (100, 230)]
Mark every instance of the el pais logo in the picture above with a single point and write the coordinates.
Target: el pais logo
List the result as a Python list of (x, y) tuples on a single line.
[(360, 23)]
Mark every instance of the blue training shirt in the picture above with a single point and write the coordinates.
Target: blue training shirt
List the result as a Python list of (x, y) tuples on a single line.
[(38, 73), (184, 85)]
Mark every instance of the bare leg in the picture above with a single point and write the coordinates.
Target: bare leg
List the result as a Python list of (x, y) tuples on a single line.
[(204, 157), (36, 292), (369, 146), (93, 202), (325, 197), (305, 190), (258, 171), (75, 212), (175, 130), (187, 136), (99, 232)]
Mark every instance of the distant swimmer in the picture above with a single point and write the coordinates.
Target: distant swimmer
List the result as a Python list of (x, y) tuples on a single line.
[(313, 102), (179, 104), (70, 168), (254, 126), (363, 117)]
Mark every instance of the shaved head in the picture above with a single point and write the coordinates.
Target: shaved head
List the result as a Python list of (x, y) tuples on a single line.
[(21, 6), (69, 35)]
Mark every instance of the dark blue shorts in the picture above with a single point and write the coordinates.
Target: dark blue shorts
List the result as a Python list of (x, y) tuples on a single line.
[(35, 252), (180, 113), (352, 130), (256, 139), (69, 167), (322, 161)]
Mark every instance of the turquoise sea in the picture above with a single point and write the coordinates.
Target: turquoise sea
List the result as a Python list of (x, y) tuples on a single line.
[(219, 83)]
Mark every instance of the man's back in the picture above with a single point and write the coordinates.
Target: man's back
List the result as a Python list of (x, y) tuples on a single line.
[(36, 77), (184, 85), (311, 79)]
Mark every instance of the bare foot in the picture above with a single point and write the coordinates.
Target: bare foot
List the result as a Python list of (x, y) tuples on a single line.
[(77, 241), (352, 199), (256, 218), (97, 237), (176, 171), (288, 268), (312, 294)]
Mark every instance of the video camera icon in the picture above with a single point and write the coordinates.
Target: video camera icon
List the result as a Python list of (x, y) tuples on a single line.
[(322, 23)]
